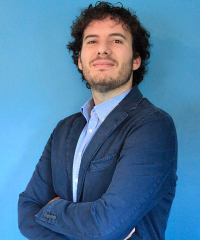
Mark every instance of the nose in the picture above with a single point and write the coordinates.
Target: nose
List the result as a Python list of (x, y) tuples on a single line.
[(103, 49)]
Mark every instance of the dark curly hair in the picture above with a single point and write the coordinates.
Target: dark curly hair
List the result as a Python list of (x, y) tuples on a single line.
[(100, 11)]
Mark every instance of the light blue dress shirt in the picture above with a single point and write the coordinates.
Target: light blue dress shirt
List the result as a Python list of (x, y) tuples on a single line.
[(94, 116)]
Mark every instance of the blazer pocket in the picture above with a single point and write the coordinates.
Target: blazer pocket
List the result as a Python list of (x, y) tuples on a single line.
[(103, 163)]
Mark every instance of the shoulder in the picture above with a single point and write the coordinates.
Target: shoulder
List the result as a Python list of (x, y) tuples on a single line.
[(63, 126), (68, 121), (151, 131), (146, 111), (150, 123)]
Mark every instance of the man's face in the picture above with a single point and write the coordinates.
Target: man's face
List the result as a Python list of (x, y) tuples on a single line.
[(106, 58)]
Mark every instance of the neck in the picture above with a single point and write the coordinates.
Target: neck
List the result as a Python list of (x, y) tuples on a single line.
[(102, 97)]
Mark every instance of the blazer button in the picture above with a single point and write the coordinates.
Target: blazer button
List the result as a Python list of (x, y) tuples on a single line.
[(52, 217), (46, 215)]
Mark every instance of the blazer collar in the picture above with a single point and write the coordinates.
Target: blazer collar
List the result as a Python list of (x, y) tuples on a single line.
[(132, 99)]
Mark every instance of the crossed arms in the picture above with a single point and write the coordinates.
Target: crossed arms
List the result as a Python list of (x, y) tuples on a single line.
[(141, 179)]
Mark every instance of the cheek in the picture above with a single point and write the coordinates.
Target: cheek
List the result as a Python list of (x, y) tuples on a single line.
[(123, 54), (88, 55)]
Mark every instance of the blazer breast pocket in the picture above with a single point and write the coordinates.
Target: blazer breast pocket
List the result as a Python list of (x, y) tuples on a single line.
[(103, 163)]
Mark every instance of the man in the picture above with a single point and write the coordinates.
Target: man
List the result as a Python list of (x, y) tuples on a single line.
[(108, 172)]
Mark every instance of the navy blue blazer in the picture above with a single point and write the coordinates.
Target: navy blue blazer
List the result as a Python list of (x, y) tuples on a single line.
[(127, 178)]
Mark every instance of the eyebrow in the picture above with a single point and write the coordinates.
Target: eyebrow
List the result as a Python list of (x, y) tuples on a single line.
[(110, 35)]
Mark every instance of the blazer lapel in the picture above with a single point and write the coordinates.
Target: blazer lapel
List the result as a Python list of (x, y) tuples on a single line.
[(71, 143)]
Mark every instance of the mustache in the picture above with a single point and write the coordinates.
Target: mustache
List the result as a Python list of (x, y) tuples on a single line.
[(104, 58)]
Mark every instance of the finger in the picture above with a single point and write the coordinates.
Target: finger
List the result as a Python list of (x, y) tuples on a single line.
[(54, 199), (130, 234)]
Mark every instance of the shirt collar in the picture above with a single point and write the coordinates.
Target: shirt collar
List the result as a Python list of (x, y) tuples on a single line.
[(87, 108), (103, 109)]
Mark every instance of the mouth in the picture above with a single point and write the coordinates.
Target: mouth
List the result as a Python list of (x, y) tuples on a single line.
[(102, 64)]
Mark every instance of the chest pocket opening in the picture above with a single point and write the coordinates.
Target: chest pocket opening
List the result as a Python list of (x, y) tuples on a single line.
[(103, 163)]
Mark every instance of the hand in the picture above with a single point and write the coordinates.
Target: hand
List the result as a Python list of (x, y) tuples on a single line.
[(54, 199), (130, 234)]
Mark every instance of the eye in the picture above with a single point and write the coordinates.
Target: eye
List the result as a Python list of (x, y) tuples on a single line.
[(91, 42), (117, 41)]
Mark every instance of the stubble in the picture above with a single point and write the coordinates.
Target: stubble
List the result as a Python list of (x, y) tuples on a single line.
[(103, 82)]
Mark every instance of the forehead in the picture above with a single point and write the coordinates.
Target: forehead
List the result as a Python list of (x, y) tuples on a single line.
[(106, 26)]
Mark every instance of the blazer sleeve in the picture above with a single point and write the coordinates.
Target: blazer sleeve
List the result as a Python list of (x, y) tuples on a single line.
[(146, 171), (37, 194)]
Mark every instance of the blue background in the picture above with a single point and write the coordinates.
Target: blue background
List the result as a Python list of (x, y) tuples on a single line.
[(39, 85)]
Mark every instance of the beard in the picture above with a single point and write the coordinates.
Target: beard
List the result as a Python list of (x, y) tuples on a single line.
[(104, 82)]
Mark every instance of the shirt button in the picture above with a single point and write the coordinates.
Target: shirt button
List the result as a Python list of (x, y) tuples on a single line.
[(103, 119), (79, 153), (90, 131), (76, 180)]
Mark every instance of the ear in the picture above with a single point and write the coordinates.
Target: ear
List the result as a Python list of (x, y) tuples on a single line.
[(79, 61), (136, 63)]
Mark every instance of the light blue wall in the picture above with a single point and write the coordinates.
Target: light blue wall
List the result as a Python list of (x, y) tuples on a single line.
[(39, 85)]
